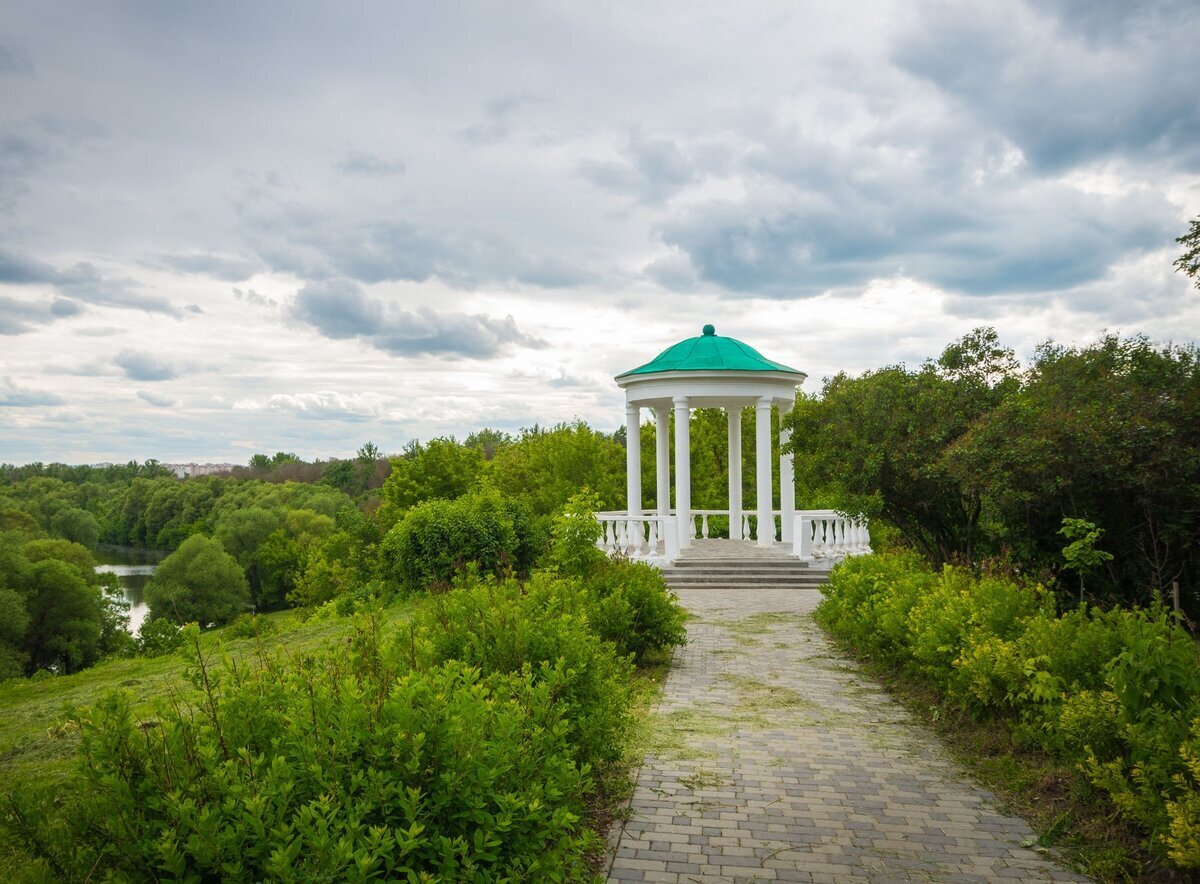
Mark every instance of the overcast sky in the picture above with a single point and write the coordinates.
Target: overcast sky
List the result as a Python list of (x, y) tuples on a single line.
[(238, 227)]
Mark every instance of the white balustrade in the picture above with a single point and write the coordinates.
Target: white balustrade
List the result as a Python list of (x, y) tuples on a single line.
[(821, 537), (825, 537), (639, 536)]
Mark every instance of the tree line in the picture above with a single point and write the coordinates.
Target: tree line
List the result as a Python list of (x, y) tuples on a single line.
[(972, 457)]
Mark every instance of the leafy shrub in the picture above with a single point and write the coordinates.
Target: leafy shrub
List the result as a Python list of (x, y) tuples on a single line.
[(573, 549), (631, 606), (501, 628), (1116, 692), (1183, 811), (250, 626), (339, 767), (158, 636), (439, 538)]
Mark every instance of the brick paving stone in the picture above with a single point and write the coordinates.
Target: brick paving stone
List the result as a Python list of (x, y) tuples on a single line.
[(787, 763)]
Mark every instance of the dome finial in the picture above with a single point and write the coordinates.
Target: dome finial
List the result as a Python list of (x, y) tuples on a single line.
[(709, 330)]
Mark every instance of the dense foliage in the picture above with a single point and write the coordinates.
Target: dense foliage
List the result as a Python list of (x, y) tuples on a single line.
[(465, 747), (198, 583), (56, 613), (439, 538), (970, 457), (1116, 693)]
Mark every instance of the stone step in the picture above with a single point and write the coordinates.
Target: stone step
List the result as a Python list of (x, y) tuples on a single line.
[(766, 564), (731, 575), (785, 568), (745, 578), (752, 586), (773, 564)]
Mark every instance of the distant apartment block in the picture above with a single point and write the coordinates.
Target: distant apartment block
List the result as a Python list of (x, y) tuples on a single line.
[(186, 470)]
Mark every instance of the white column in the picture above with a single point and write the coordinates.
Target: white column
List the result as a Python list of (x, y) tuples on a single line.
[(787, 479), (762, 468), (662, 450), (734, 414), (633, 459), (683, 471)]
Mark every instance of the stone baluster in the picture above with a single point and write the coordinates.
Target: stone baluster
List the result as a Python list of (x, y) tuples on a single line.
[(704, 526)]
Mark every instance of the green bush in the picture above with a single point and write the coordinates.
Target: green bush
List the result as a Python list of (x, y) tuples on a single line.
[(199, 582), (464, 752), (1116, 692), (158, 636), (573, 549), (631, 606), (438, 539), (250, 626), (499, 627)]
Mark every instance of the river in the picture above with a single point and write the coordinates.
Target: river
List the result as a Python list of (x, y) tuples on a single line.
[(133, 567)]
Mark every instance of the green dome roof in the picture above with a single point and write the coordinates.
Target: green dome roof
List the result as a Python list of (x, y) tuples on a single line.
[(709, 352)]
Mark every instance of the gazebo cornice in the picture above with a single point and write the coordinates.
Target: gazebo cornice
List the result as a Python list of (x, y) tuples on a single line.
[(748, 379)]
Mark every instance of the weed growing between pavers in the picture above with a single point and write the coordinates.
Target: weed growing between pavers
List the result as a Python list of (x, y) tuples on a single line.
[(703, 779)]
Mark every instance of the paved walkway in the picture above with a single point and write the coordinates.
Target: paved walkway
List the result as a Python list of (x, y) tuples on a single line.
[(775, 759)]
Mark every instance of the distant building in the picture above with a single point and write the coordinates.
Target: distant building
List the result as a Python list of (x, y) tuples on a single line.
[(186, 470)]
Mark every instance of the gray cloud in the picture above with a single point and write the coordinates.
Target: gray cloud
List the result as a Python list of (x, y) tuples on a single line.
[(295, 239), (231, 268), (144, 367), (1063, 99), (649, 169), (13, 61), (18, 316), (83, 281), (15, 396), (158, 401), (497, 123), (250, 296), (368, 165), (963, 215), (340, 309)]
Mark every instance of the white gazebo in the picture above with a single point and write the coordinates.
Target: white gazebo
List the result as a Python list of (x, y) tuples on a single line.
[(712, 371)]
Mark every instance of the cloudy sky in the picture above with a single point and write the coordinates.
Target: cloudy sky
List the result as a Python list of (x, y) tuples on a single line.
[(238, 227)]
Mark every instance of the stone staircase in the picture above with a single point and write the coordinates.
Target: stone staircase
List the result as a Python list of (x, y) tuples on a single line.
[(724, 565)]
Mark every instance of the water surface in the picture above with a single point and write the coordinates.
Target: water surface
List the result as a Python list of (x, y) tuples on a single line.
[(133, 567)]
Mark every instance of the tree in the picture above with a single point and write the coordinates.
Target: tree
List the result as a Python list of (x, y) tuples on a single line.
[(547, 467), (65, 614), (440, 469), (489, 440), (1107, 433), (1189, 261), (198, 582), (1080, 553), (369, 453), (242, 533), (73, 523), (78, 557), (876, 443)]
